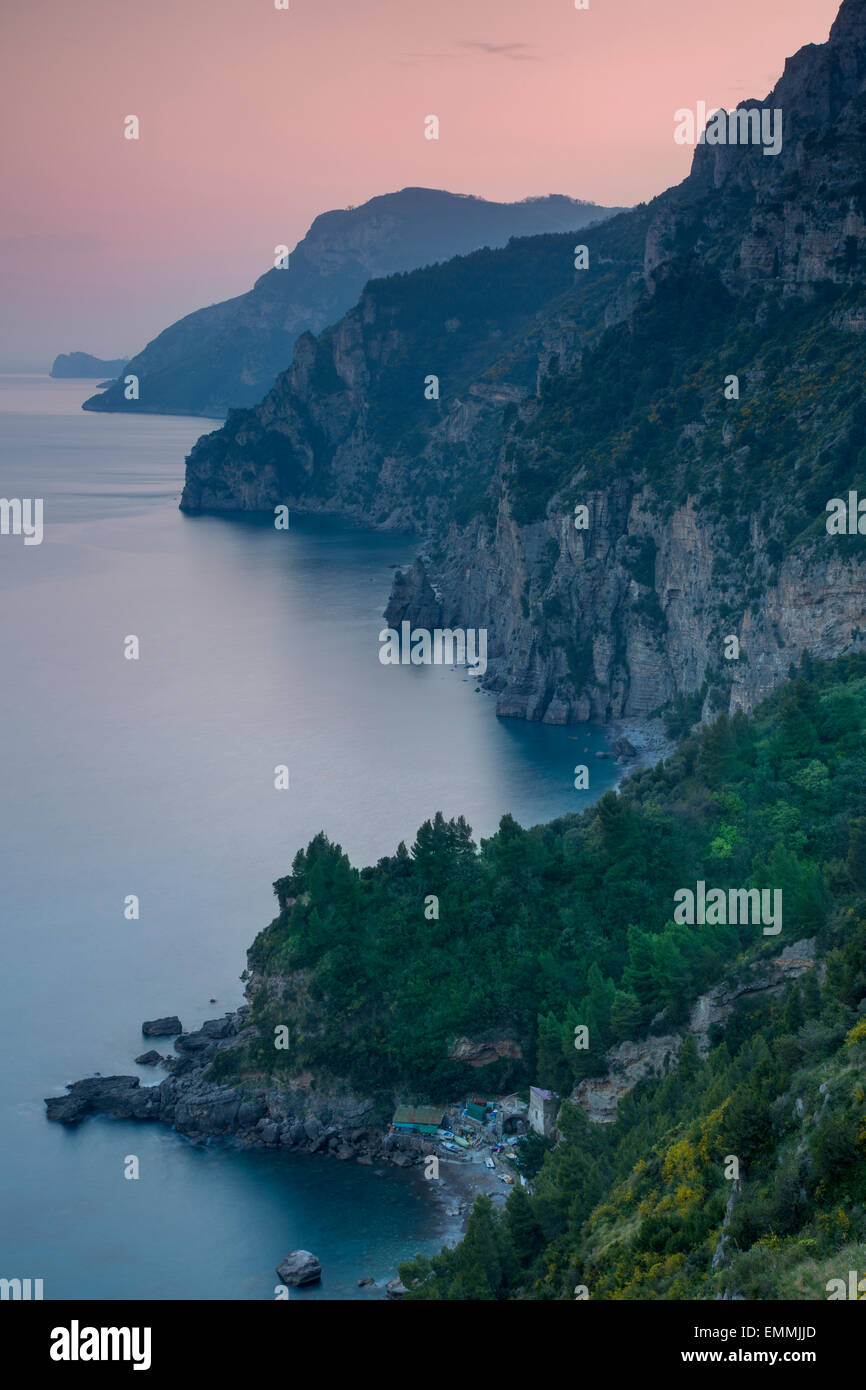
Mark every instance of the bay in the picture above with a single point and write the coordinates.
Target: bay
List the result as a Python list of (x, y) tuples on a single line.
[(156, 778)]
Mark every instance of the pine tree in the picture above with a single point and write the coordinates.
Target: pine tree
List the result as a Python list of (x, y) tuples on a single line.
[(811, 994), (689, 1060), (793, 1015), (857, 851), (526, 1235), (482, 1258), (717, 752), (639, 975), (625, 1015)]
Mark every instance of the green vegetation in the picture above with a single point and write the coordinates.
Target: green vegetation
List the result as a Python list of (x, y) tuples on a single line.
[(645, 402), (571, 922), (635, 1210)]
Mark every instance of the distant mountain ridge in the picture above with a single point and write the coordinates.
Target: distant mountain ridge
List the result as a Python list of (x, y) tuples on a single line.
[(83, 364), (613, 388), (230, 354)]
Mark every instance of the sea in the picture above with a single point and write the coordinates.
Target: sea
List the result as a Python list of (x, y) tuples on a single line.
[(155, 778)]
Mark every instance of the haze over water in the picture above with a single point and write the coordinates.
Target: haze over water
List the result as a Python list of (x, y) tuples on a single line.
[(156, 777)]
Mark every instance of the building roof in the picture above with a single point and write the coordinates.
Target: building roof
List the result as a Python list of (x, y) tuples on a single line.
[(417, 1115), (545, 1095)]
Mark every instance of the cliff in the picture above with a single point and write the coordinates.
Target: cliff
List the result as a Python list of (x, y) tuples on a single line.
[(694, 389), (230, 353)]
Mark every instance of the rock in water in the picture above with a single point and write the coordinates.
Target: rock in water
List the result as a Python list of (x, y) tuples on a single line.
[(162, 1027), (300, 1267), (149, 1059), (396, 1288)]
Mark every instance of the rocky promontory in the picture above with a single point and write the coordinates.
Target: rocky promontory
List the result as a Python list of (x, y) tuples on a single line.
[(620, 472), (253, 1114), (82, 364), (229, 354)]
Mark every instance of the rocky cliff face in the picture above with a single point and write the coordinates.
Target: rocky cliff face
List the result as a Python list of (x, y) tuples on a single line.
[(598, 643), (695, 390), (656, 1054), (230, 353)]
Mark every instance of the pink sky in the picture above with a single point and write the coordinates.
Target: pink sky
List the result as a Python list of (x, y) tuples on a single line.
[(253, 120)]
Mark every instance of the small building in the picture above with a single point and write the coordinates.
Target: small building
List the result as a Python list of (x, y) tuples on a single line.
[(417, 1119), (542, 1111), (477, 1110)]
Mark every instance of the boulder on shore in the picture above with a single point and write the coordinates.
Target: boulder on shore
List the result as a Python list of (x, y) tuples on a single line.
[(300, 1267), (162, 1027), (396, 1288)]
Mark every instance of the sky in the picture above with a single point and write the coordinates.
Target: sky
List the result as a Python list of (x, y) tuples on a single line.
[(253, 120)]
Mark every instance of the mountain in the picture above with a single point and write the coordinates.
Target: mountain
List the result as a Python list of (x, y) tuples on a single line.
[(696, 389), (81, 364), (230, 353)]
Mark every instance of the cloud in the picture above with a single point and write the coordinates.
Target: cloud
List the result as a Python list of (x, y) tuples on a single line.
[(516, 52)]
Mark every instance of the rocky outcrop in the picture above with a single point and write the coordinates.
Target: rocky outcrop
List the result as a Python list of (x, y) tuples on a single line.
[(482, 1052), (120, 1096), (713, 1009), (627, 1064), (162, 1027), (654, 1055), (414, 598), (229, 354), (264, 1113)]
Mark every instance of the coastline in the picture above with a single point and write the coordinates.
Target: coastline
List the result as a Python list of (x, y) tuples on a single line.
[(262, 1114)]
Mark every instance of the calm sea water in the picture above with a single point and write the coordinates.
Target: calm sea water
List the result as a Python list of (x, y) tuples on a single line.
[(155, 777)]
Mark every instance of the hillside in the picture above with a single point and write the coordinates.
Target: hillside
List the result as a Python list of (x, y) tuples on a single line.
[(712, 1130), (230, 353), (612, 388), (758, 1039)]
